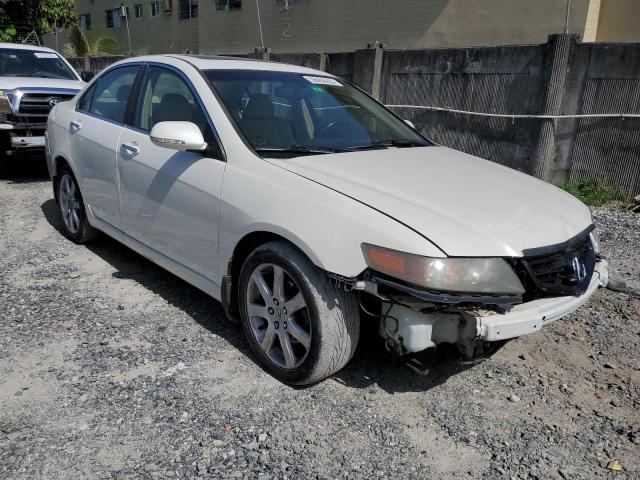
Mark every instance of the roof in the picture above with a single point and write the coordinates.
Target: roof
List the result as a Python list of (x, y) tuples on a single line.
[(217, 62), (20, 46)]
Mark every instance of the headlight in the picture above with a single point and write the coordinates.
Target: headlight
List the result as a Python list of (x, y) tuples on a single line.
[(5, 104), (458, 275)]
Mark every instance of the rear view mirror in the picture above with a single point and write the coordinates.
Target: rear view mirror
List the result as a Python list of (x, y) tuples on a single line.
[(86, 75), (179, 136)]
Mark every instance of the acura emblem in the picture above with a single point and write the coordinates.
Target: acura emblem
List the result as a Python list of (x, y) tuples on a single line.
[(54, 101), (579, 269)]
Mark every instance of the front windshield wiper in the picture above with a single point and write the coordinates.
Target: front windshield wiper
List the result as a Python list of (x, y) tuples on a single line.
[(37, 75), (390, 143), (298, 150)]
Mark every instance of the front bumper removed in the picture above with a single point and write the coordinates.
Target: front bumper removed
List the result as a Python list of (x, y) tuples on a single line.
[(409, 330), (532, 316)]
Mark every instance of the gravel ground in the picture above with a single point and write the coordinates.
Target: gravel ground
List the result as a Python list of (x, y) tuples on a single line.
[(112, 368)]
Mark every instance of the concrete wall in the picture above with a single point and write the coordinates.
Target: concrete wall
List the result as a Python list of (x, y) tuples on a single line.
[(506, 80), (561, 77)]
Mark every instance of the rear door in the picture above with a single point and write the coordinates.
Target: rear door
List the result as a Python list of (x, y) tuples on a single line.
[(94, 130), (169, 200)]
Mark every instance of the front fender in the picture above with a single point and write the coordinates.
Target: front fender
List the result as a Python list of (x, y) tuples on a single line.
[(326, 225)]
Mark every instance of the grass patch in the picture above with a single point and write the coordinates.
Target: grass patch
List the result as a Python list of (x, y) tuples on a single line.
[(595, 193)]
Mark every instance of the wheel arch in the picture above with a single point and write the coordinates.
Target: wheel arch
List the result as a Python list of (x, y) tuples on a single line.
[(59, 162), (243, 248)]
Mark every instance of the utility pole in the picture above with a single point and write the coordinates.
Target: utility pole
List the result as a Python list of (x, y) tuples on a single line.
[(566, 17), (125, 14)]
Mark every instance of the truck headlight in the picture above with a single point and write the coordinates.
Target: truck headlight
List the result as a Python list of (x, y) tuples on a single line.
[(457, 275), (5, 103), (595, 241)]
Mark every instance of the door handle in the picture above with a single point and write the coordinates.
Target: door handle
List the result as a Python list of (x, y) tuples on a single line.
[(74, 126), (131, 150)]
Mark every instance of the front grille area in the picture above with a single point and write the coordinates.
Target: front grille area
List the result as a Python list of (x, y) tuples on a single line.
[(38, 104), (566, 271)]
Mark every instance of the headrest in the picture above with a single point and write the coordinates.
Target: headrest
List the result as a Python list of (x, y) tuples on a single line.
[(123, 93), (259, 106), (173, 106)]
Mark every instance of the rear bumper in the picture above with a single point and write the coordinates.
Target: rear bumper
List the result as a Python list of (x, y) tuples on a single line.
[(532, 316)]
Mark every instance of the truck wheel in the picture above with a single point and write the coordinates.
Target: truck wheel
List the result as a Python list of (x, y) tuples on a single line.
[(301, 328), (74, 218)]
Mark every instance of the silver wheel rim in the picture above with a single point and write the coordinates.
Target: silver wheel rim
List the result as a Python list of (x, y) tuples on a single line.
[(70, 203), (278, 316)]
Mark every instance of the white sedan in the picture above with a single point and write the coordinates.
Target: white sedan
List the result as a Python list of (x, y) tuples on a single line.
[(301, 204)]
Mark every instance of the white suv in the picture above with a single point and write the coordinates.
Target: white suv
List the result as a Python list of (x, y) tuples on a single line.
[(32, 80), (300, 202)]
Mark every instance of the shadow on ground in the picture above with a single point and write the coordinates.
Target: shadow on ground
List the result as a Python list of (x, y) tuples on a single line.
[(371, 366), (24, 169)]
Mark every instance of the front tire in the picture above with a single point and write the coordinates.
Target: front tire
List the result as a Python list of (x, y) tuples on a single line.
[(301, 328), (71, 206)]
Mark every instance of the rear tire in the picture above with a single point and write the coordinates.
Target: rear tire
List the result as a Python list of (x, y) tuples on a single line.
[(301, 328), (71, 207)]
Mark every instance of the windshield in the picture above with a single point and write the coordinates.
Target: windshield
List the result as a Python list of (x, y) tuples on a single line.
[(284, 112), (31, 63)]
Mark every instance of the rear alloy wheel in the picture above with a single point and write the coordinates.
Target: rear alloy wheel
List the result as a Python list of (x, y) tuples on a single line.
[(301, 328), (74, 219)]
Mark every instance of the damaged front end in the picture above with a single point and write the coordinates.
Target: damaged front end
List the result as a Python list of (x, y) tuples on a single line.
[(555, 281), (23, 117)]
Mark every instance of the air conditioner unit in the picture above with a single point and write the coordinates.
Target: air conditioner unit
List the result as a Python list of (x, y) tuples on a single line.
[(168, 5)]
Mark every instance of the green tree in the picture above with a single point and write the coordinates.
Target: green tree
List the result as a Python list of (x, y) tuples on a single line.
[(41, 16), (87, 45)]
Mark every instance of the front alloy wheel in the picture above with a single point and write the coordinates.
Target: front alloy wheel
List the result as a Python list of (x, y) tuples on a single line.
[(278, 316), (301, 328)]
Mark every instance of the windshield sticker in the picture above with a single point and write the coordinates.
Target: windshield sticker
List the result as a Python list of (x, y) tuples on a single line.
[(322, 81), (45, 55)]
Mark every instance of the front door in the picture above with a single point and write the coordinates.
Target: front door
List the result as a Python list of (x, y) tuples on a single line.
[(94, 131), (169, 200)]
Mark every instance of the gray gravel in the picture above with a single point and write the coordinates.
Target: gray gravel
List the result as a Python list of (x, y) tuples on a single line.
[(112, 368)]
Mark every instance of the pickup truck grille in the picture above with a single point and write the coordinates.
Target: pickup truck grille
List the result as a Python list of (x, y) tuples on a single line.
[(567, 271), (38, 104)]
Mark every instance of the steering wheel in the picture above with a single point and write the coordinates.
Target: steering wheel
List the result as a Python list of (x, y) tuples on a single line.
[(333, 126)]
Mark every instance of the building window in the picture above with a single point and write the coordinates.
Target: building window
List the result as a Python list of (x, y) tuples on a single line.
[(85, 22), (138, 10), (228, 4), (188, 9), (155, 9), (113, 18)]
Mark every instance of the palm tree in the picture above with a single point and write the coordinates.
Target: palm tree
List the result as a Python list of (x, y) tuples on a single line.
[(89, 45)]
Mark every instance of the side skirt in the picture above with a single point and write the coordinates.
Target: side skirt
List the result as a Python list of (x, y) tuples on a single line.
[(194, 278)]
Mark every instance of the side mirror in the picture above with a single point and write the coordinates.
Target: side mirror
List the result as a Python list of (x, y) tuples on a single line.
[(410, 123), (179, 136), (86, 75)]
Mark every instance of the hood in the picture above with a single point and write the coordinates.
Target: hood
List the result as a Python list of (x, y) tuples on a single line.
[(465, 205), (12, 83)]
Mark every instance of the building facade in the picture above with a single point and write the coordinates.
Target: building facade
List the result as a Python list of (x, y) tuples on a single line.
[(241, 26)]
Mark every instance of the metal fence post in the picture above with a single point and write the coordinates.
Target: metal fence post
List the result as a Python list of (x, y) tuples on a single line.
[(560, 47), (367, 70)]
